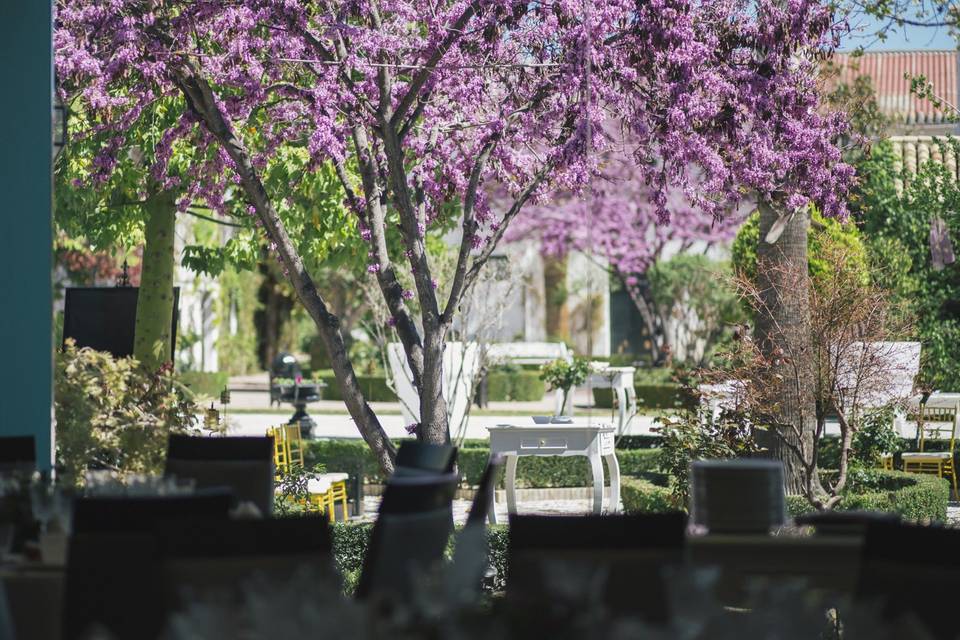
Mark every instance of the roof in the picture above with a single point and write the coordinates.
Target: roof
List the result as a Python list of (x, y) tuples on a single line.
[(887, 70)]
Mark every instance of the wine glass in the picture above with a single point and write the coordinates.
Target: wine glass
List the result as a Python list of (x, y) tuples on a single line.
[(44, 500)]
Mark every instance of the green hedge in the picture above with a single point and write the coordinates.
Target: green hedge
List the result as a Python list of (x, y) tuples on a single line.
[(205, 383), (350, 543), (374, 388), (914, 496), (532, 472), (642, 496), (666, 395), (515, 385)]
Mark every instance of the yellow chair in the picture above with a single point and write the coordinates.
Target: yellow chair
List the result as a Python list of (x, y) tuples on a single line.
[(886, 461), (934, 423), (325, 489)]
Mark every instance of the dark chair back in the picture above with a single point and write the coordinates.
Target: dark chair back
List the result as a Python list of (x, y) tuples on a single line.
[(410, 535), (619, 560), (125, 514), (419, 457), (471, 565), (244, 464), (18, 453), (906, 568)]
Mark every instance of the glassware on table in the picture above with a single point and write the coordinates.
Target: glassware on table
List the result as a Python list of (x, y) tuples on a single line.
[(44, 499), (7, 531)]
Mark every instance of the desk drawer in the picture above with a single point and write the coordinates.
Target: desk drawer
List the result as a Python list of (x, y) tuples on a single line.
[(543, 444)]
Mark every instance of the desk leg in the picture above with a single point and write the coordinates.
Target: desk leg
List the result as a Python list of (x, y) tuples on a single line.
[(596, 468), (621, 409), (512, 484), (614, 467)]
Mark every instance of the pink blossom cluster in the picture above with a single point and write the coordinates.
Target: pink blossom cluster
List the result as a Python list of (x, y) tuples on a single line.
[(718, 98)]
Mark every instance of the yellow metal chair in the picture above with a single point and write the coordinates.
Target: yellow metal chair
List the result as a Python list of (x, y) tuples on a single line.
[(325, 489), (886, 461), (934, 423)]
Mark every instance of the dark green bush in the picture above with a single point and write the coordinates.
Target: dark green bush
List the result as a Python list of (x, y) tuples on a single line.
[(350, 541), (205, 383), (663, 395), (532, 472), (504, 385), (913, 496), (642, 496), (374, 387)]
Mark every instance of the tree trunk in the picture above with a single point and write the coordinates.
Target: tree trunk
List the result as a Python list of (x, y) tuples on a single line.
[(434, 421), (200, 97), (783, 335), (555, 288), (642, 299), (151, 341)]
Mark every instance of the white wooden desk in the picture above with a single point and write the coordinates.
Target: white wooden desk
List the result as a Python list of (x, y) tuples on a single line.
[(593, 441), (620, 380)]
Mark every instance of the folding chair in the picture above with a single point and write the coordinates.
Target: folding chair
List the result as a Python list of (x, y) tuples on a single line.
[(935, 423), (325, 489)]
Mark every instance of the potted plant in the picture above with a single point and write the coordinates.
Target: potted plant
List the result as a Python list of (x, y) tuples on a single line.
[(563, 375)]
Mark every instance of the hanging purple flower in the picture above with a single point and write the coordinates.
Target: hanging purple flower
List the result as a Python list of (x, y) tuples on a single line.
[(411, 429)]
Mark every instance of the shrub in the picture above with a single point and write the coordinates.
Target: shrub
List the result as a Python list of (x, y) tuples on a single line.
[(504, 385), (350, 541), (875, 437), (642, 496), (698, 435), (111, 414), (915, 497), (205, 383)]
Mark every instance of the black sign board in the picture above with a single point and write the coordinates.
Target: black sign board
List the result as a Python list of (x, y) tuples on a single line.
[(103, 318)]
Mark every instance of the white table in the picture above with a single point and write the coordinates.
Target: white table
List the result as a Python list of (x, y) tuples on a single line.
[(593, 441), (620, 379)]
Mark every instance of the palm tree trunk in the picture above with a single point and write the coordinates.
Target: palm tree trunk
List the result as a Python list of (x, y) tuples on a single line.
[(783, 334), (151, 341)]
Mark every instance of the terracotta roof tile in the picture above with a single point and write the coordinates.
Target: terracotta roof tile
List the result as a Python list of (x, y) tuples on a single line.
[(887, 69)]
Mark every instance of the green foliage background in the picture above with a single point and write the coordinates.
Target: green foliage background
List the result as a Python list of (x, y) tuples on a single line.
[(896, 227)]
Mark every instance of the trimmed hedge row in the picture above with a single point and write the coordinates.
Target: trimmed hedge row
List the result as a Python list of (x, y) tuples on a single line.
[(374, 388), (915, 497), (666, 395), (643, 496), (353, 456), (519, 386)]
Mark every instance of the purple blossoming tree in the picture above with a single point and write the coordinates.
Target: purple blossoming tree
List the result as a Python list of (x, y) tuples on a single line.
[(617, 221), (431, 103)]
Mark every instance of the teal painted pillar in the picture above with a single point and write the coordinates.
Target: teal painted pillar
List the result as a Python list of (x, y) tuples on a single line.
[(26, 313)]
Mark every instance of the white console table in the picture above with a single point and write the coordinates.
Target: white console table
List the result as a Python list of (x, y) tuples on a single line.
[(593, 441), (620, 379)]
